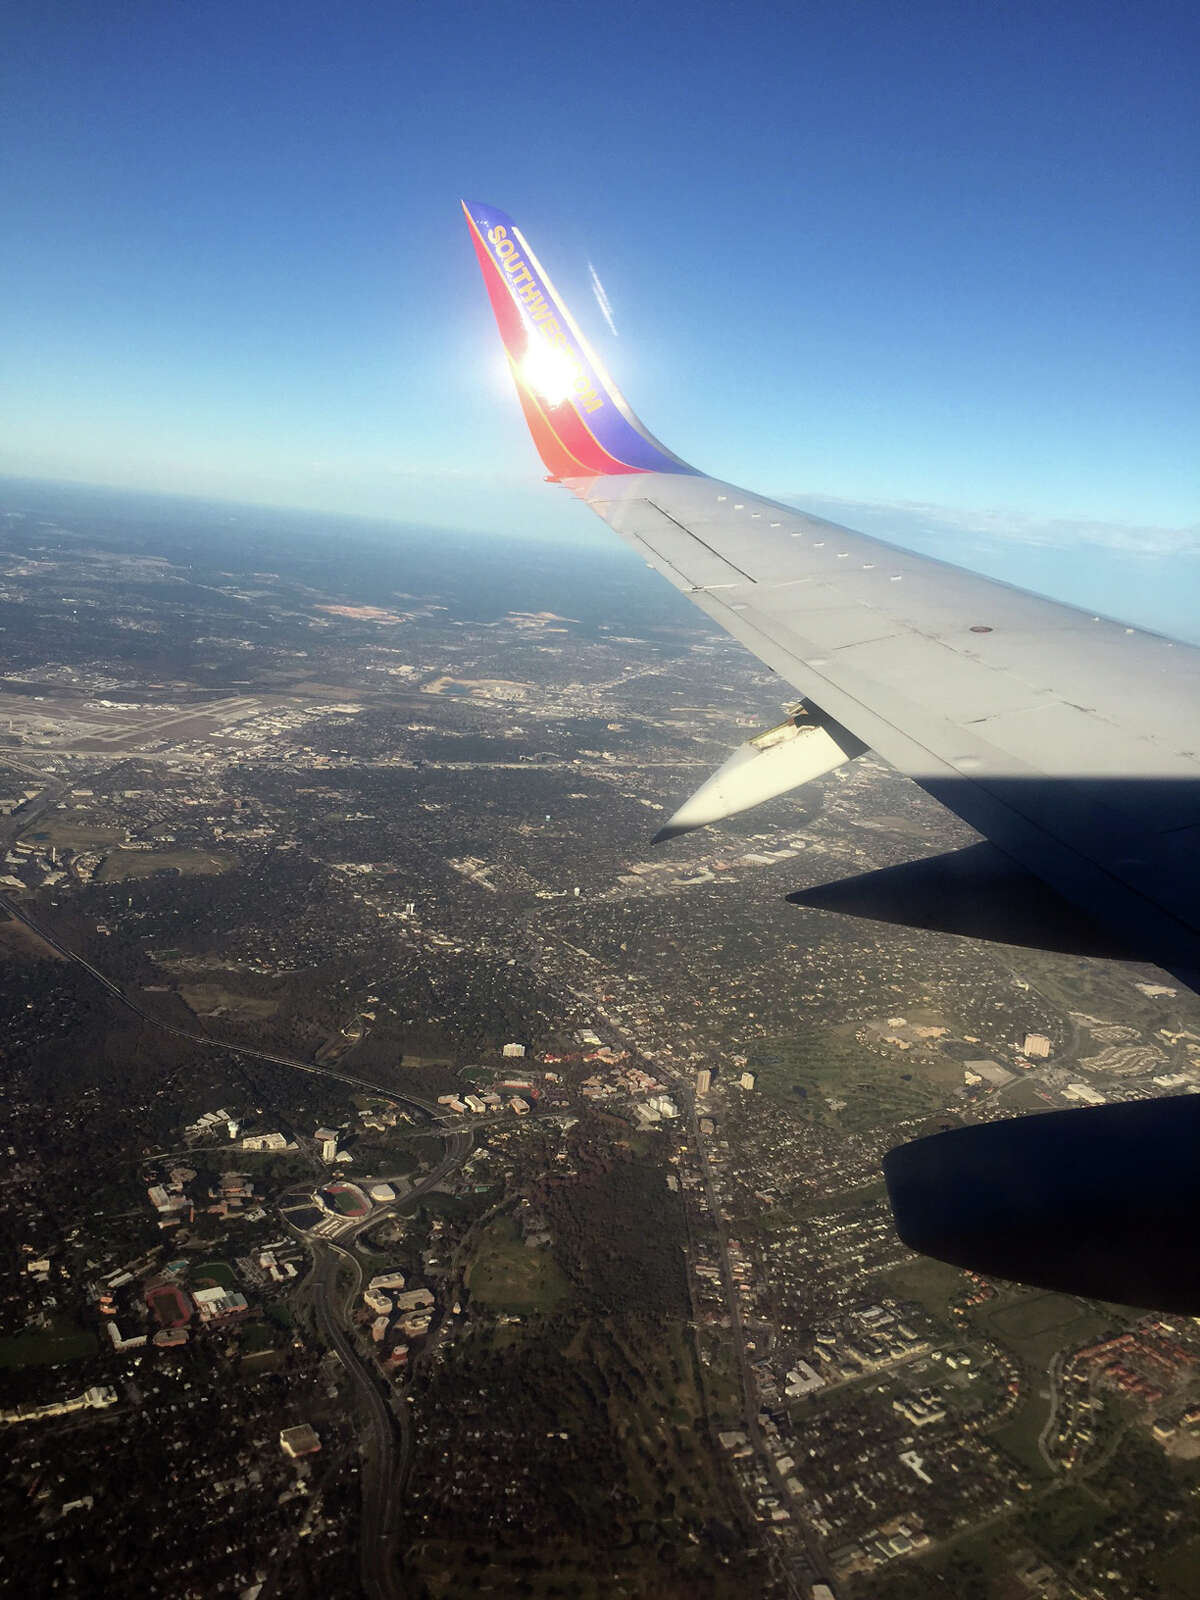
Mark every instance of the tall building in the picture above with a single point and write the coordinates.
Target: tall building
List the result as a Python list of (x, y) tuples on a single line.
[(747, 1080), (703, 1080), (329, 1143)]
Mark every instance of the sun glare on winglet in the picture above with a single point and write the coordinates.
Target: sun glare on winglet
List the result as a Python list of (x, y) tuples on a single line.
[(548, 371)]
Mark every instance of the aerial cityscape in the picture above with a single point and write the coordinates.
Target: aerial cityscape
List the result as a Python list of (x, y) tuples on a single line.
[(417, 1184), (529, 544)]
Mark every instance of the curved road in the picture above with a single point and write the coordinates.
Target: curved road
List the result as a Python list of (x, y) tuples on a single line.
[(379, 1447), (384, 1475), (196, 1037)]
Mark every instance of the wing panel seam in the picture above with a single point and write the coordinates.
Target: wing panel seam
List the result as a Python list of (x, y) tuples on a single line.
[(704, 545)]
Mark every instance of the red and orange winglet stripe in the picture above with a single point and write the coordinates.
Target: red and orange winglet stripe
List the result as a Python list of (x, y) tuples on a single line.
[(586, 434), (586, 458)]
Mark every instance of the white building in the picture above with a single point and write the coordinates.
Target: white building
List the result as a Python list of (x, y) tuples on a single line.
[(264, 1141), (415, 1300), (134, 1343), (97, 1398), (803, 1379), (380, 1294), (1084, 1092), (215, 1303)]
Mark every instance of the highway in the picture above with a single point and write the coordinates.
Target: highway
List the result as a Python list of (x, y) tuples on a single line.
[(332, 1313), (384, 1468), (196, 1037)]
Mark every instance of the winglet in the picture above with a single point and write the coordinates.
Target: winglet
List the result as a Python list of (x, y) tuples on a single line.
[(580, 421)]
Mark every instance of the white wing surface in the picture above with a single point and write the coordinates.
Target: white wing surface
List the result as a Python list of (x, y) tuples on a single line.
[(1069, 740)]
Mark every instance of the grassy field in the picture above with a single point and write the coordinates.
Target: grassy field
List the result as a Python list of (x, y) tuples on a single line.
[(808, 1070), (373, 1155), (260, 1362), (508, 1276), (17, 942), (1101, 989), (933, 1283), (122, 864), (67, 833), (45, 1347), (722, 1384), (213, 1274), (1034, 1325), (1018, 1437), (207, 999), (1026, 1094)]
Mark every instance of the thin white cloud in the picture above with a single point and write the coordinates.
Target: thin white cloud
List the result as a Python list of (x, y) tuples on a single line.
[(602, 300), (905, 518)]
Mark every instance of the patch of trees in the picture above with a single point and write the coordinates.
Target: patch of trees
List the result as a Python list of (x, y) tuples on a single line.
[(620, 1235)]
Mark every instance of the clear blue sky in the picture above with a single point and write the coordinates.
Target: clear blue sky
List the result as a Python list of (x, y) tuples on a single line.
[(943, 254)]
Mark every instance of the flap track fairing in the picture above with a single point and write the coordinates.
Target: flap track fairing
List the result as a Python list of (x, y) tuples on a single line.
[(806, 745)]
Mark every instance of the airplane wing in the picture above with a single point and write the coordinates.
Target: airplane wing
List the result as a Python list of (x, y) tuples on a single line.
[(1070, 740)]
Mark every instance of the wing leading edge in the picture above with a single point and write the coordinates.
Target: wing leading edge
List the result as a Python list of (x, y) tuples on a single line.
[(1067, 739)]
